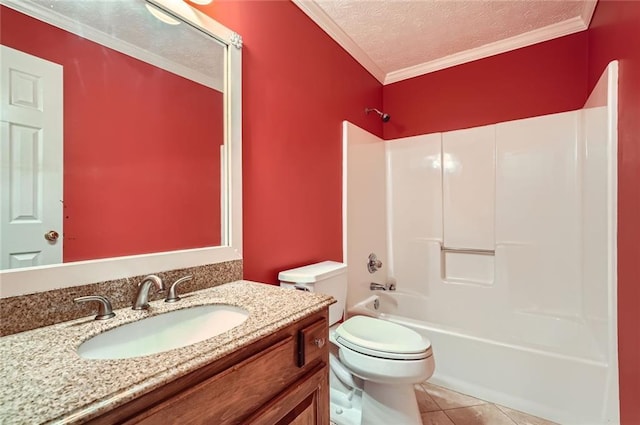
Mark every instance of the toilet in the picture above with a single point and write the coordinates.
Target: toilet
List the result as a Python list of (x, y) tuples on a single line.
[(374, 363)]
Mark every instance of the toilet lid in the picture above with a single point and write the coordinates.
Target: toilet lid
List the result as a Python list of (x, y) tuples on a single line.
[(382, 338)]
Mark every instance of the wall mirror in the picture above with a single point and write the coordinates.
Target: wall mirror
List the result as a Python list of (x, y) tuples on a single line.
[(121, 141)]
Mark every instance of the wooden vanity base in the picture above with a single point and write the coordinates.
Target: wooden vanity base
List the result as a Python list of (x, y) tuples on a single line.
[(281, 379)]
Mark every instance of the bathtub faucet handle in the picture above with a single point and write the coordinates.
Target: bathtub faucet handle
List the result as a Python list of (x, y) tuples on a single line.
[(374, 264)]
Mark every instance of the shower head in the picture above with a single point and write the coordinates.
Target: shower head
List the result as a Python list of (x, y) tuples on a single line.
[(384, 117)]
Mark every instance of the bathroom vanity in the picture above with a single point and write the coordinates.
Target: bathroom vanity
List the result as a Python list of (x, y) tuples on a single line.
[(271, 369), (262, 383)]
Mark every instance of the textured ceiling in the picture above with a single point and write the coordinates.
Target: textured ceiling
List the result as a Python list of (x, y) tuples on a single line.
[(394, 35)]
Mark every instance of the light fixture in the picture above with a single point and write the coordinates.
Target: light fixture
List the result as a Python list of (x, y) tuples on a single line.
[(159, 14)]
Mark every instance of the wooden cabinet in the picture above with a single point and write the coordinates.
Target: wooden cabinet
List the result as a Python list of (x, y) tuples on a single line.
[(306, 403), (280, 379)]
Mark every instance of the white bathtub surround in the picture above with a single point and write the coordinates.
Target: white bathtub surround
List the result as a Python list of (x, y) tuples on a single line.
[(538, 214), (530, 321), (413, 235), (468, 181), (364, 206), (469, 184)]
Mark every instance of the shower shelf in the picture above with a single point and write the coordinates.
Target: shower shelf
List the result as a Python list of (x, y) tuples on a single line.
[(468, 251)]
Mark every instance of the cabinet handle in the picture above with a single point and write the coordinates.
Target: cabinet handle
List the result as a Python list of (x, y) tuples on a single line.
[(319, 342)]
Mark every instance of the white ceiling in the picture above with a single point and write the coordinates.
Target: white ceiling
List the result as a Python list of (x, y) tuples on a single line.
[(399, 39)]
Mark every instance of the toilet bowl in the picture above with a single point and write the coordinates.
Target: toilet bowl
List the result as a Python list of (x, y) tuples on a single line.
[(389, 359), (374, 364)]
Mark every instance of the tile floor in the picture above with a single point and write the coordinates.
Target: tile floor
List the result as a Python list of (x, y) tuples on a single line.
[(440, 406)]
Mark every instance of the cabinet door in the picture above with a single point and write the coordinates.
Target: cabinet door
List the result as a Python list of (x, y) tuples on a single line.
[(304, 403), (306, 413), (228, 397)]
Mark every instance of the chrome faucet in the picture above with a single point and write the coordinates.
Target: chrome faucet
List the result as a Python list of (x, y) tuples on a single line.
[(380, 287), (142, 299)]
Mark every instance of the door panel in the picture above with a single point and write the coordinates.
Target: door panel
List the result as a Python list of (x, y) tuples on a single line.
[(31, 155)]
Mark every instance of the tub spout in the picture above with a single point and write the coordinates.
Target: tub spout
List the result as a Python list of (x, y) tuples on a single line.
[(380, 287)]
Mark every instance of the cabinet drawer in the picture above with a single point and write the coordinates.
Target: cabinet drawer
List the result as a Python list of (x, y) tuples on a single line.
[(312, 342), (227, 397)]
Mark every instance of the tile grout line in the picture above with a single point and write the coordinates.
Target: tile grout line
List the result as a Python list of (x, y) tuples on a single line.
[(507, 415), (513, 421), (445, 413)]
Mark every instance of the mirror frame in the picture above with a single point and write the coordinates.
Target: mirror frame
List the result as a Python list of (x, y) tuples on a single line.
[(30, 280)]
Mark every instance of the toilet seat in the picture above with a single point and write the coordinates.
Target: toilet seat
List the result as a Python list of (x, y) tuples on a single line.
[(382, 339)]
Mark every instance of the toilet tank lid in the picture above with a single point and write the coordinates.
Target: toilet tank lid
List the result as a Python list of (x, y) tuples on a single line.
[(313, 272)]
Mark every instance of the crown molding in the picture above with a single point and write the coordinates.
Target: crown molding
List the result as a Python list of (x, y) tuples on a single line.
[(539, 35), (560, 29), (588, 10), (319, 16)]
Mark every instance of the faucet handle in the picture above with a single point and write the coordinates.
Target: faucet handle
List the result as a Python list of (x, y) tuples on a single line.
[(172, 296), (104, 308), (373, 264)]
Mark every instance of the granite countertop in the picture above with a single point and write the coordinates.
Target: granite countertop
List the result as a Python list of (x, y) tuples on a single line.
[(43, 380)]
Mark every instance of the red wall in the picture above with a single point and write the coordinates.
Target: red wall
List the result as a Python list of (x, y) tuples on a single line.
[(615, 34), (298, 86), (131, 179), (541, 79)]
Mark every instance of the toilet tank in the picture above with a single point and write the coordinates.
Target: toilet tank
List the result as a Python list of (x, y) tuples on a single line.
[(327, 277)]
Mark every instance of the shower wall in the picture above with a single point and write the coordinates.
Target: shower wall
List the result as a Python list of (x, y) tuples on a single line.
[(501, 240), (363, 209), (510, 196), (505, 231)]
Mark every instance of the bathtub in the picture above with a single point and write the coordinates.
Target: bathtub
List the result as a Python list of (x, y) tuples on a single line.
[(522, 363)]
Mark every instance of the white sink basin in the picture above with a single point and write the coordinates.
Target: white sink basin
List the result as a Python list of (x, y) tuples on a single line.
[(163, 332)]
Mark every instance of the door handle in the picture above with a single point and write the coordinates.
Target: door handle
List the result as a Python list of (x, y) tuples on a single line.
[(51, 236)]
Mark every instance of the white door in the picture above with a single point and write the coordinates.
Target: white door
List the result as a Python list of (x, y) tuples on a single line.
[(30, 160)]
